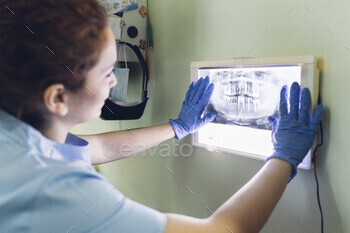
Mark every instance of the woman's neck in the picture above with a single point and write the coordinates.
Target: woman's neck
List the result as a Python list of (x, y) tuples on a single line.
[(57, 131)]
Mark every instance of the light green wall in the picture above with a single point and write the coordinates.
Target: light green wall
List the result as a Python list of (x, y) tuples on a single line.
[(195, 30)]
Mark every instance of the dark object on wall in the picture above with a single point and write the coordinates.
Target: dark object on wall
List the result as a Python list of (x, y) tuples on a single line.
[(132, 32), (113, 111), (120, 14)]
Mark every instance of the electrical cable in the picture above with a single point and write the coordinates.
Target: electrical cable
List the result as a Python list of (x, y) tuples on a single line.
[(315, 172)]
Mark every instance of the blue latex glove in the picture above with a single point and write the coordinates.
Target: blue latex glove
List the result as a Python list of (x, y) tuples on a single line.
[(294, 133), (189, 119)]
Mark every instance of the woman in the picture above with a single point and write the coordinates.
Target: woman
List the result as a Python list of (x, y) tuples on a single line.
[(56, 65)]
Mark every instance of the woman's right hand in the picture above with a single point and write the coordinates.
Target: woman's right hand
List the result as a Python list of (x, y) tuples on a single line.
[(294, 132)]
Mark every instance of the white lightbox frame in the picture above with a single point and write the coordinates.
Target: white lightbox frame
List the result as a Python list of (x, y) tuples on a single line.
[(233, 142)]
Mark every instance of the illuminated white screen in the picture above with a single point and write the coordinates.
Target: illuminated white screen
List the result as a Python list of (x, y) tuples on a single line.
[(243, 99)]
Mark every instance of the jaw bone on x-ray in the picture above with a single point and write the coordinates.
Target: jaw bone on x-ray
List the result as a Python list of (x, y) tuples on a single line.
[(248, 96)]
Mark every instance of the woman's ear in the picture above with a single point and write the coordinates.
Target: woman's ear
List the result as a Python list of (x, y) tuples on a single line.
[(56, 99)]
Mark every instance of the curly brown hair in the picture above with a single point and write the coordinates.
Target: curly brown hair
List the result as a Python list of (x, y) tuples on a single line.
[(43, 42)]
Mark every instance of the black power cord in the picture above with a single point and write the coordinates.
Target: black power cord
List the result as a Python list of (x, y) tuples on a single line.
[(317, 184)]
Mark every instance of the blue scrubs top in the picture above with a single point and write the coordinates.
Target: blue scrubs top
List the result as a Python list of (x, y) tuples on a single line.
[(46, 186)]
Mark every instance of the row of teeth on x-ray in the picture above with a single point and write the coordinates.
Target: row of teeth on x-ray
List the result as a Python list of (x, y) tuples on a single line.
[(242, 103), (241, 90), (242, 87)]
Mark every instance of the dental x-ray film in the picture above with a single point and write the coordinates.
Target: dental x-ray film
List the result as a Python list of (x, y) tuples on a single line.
[(248, 96)]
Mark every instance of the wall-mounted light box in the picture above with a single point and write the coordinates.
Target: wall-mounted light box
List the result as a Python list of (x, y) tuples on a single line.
[(246, 93)]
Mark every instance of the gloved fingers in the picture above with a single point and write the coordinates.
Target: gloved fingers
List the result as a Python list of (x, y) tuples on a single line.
[(317, 117), (294, 100), (283, 102), (194, 90), (304, 115), (206, 119), (207, 95), (200, 91), (188, 94), (273, 121)]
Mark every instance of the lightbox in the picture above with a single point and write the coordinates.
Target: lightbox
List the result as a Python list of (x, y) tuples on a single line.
[(246, 93)]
